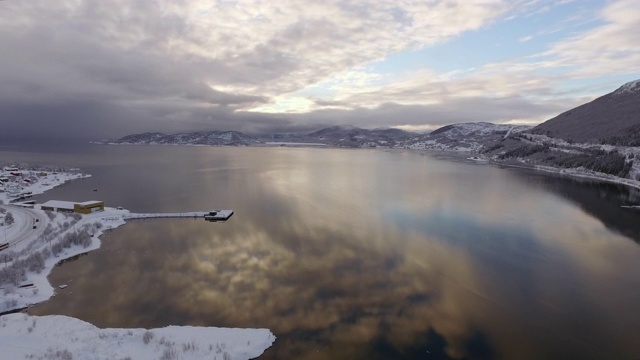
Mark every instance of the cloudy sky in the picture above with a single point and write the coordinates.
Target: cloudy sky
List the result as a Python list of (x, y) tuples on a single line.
[(96, 69)]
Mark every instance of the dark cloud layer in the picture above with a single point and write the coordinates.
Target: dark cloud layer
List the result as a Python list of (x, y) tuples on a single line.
[(91, 70)]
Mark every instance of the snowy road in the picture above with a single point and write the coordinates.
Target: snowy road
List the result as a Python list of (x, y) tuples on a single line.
[(22, 229)]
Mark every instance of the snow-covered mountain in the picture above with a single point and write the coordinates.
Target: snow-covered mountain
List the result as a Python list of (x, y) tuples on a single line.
[(613, 119), (602, 136), (351, 136), (336, 136), (456, 137), (464, 136), (233, 138)]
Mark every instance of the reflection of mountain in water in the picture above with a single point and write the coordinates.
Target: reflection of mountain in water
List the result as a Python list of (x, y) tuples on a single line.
[(601, 200)]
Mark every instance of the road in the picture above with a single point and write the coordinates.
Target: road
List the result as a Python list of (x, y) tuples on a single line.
[(22, 229)]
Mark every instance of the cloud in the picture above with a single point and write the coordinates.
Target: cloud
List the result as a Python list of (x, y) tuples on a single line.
[(250, 45), (530, 89), (525, 38), (456, 110), (259, 66), (601, 50), (185, 57)]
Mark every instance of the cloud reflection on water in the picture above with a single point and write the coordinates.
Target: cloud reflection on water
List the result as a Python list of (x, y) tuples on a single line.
[(371, 255)]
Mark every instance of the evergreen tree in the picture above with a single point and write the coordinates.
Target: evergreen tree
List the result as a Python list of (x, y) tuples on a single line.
[(8, 219)]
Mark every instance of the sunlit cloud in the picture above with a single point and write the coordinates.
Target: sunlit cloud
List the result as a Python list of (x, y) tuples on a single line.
[(243, 65)]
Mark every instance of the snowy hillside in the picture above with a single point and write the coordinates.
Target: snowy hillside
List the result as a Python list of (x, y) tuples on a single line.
[(630, 87), (619, 164), (354, 137), (336, 136), (233, 138), (612, 119), (466, 137)]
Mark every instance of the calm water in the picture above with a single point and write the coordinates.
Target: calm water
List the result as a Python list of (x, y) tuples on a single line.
[(358, 254)]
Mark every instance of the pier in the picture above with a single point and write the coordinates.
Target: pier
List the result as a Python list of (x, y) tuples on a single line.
[(215, 215)]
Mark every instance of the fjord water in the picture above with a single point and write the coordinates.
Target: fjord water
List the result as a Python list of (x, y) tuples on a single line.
[(357, 254)]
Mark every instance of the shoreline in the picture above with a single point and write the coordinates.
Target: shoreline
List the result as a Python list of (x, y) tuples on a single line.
[(52, 241), (462, 155), (41, 289), (564, 172), (574, 173)]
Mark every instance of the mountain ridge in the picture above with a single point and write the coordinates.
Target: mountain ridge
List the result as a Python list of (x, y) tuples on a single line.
[(601, 136), (604, 120)]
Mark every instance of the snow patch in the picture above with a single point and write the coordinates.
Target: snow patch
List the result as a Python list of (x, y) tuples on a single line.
[(630, 87)]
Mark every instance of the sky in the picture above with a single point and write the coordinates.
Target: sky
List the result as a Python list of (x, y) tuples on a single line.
[(76, 69)]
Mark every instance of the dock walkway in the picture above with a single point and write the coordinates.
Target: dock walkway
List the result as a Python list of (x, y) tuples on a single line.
[(220, 215)]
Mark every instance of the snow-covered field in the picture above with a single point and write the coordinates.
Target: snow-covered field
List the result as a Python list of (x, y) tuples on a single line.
[(65, 338), (34, 241)]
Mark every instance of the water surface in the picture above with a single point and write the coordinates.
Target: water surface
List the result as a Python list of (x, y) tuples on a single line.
[(358, 254)]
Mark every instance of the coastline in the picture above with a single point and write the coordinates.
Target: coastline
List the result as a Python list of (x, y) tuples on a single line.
[(113, 218), (457, 154), (580, 173), (35, 249), (448, 153)]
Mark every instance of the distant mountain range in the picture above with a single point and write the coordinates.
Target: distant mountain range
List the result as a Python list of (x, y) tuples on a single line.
[(211, 138), (601, 136), (335, 136), (458, 137)]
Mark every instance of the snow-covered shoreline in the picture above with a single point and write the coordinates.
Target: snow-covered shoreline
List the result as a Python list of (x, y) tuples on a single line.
[(480, 142), (36, 287), (588, 174), (34, 231), (62, 337), (35, 241), (580, 173)]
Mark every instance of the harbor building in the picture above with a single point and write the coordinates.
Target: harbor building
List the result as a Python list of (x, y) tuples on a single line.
[(86, 207)]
